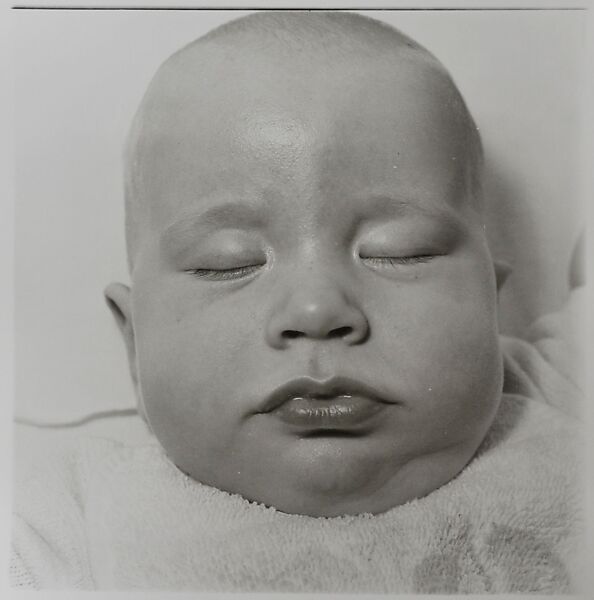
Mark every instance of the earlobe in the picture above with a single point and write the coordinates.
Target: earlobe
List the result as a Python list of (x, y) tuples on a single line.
[(502, 272), (118, 299)]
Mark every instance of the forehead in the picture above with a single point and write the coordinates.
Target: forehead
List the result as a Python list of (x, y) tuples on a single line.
[(301, 134)]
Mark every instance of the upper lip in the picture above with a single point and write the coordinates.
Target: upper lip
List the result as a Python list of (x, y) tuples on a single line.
[(306, 387)]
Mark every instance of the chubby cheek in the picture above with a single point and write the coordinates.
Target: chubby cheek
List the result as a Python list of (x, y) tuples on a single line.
[(194, 361), (465, 381), (443, 351)]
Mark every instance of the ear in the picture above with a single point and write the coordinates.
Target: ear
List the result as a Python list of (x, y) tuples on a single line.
[(502, 272), (119, 301)]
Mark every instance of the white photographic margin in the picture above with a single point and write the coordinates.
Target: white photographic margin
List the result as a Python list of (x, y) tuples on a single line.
[(7, 195)]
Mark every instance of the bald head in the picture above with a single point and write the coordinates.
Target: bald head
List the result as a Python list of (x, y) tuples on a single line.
[(273, 71)]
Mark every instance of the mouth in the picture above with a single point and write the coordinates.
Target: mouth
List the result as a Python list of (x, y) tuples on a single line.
[(335, 405)]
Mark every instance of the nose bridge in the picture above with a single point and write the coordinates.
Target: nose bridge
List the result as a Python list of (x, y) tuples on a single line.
[(317, 302)]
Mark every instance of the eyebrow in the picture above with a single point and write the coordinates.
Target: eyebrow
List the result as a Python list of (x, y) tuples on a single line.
[(228, 215)]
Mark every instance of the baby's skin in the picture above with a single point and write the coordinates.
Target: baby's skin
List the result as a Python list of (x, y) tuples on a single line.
[(311, 321)]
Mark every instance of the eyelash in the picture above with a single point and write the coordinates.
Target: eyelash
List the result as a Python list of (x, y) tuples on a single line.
[(394, 261), (225, 274), (247, 270)]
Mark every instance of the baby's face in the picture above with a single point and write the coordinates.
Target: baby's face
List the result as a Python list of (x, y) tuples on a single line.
[(313, 299)]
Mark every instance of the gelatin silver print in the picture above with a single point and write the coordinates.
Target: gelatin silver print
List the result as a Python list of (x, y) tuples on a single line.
[(299, 301)]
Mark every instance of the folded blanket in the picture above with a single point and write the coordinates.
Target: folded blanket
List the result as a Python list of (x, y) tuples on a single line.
[(120, 517)]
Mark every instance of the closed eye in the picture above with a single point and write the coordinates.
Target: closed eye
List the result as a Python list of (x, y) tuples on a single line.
[(395, 261), (225, 274)]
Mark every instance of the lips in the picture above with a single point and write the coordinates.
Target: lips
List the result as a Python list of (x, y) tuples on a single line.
[(335, 404)]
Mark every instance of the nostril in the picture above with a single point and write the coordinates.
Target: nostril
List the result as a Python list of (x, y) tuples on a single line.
[(291, 334), (340, 332)]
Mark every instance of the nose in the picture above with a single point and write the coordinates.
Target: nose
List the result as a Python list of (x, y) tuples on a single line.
[(318, 311)]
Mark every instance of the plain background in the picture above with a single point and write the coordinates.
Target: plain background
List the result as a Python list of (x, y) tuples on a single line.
[(79, 77)]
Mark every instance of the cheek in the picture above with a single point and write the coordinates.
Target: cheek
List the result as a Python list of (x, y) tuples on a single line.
[(466, 374), (192, 333), (193, 363), (453, 348), (440, 341)]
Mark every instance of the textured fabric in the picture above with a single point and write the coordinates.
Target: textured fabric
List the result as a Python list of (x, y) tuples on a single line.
[(122, 517), (550, 366), (102, 514), (19, 575)]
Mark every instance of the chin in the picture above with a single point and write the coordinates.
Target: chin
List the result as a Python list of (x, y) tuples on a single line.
[(328, 484), (321, 503), (331, 485)]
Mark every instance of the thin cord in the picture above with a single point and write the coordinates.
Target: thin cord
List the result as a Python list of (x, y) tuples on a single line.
[(104, 414)]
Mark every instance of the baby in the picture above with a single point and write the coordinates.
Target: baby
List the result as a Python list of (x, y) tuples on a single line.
[(312, 326), (312, 321)]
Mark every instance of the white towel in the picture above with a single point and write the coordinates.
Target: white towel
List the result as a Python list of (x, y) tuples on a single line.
[(111, 516)]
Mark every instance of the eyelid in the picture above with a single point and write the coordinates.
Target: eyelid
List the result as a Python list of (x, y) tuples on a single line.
[(226, 274), (394, 261)]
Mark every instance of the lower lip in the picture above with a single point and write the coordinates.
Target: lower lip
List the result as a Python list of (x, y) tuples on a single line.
[(339, 412)]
